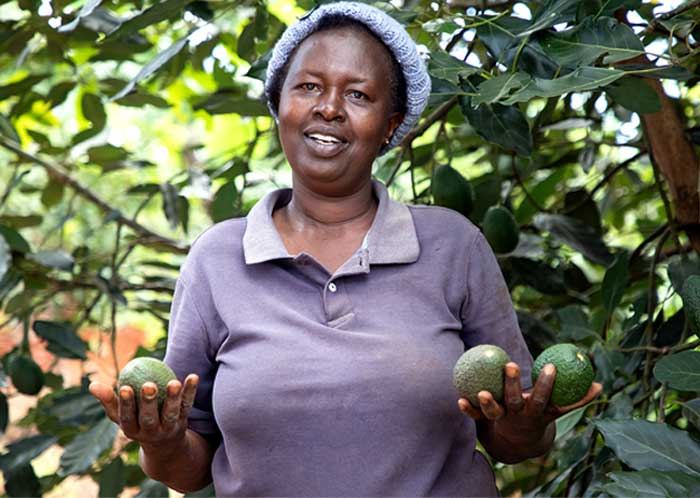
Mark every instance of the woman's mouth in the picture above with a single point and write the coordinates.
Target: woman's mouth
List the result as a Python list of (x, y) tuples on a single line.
[(323, 145)]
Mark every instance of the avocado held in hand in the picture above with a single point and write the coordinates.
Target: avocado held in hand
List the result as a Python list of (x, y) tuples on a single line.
[(480, 369), (574, 372), (145, 369)]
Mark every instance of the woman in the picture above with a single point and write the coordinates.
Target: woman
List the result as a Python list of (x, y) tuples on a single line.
[(316, 337)]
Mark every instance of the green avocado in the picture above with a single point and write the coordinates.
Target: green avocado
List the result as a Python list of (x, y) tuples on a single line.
[(451, 190), (574, 372), (480, 369), (691, 301), (500, 229), (145, 369), (26, 375)]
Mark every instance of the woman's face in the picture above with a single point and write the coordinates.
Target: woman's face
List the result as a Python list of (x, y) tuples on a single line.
[(335, 109)]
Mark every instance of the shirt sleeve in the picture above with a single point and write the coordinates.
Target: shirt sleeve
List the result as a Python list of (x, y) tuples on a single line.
[(488, 316), (189, 351)]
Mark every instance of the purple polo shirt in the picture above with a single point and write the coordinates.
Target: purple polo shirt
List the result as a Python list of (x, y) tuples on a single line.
[(340, 385)]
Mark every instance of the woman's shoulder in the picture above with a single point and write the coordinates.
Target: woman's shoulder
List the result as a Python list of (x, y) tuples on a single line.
[(222, 239), (439, 222)]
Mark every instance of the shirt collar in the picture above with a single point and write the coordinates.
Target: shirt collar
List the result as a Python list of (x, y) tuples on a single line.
[(391, 239)]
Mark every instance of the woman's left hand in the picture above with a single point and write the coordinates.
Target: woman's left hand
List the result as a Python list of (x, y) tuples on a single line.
[(523, 412)]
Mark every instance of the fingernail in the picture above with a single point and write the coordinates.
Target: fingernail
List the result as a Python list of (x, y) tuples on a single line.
[(149, 392), (124, 394), (549, 369), (511, 371)]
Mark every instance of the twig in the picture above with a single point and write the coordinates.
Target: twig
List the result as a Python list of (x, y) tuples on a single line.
[(436, 115), (668, 15), (651, 237), (65, 179), (521, 184)]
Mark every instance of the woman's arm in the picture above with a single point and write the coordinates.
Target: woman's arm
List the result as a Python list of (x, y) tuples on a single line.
[(184, 466)]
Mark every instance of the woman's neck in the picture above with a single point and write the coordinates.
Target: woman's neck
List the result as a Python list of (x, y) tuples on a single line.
[(309, 210)]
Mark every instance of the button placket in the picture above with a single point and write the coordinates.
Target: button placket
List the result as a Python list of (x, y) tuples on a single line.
[(337, 304)]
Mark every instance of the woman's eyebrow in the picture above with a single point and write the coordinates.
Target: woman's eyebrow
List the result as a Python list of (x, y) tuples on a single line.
[(321, 75)]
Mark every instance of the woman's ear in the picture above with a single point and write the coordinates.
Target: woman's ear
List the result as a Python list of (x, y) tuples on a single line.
[(394, 121)]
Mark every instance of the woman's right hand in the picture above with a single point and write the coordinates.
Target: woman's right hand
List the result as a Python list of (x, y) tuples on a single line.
[(156, 432)]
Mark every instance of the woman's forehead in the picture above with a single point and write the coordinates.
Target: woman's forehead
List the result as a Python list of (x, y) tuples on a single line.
[(344, 49)]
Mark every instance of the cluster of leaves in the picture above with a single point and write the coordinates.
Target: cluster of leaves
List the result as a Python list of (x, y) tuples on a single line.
[(537, 103)]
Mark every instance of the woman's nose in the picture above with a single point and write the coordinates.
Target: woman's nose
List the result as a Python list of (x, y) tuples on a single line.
[(330, 106)]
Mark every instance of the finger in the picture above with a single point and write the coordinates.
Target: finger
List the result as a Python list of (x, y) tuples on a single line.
[(593, 392), (513, 390), (538, 399), (188, 392), (469, 409), (149, 418), (492, 410), (170, 413), (106, 396), (127, 411)]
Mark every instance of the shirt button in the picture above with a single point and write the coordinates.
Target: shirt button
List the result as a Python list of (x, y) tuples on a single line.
[(332, 287)]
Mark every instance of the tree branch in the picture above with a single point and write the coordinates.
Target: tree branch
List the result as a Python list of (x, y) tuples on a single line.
[(56, 173)]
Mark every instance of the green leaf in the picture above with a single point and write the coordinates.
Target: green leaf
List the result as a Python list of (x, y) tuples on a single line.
[(87, 9), (538, 275), (25, 450), (505, 126), (576, 234), (153, 489), (223, 103), (567, 422), (691, 411), (226, 203), (72, 407), (22, 86), (445, 67), (52, 193), (614, 282), (16, 221), (5, 257), (651, 483), (58, 259), (152, 15), (7, 130), (680, 370), (112, 478), (62, 339), (499, 87), (93, 110), (246, 43), (580, 80), (680, 267), (552, 12), (575, 325), (22, 482), (59, 92), (170, 204), (584, 43), (156, 63), (14, 239), (4, 413), (648, 445), (83, 451), (634, 94)]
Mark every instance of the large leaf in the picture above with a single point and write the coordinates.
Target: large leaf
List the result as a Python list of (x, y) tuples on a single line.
[(62, 339), (552, 12), (580, 80), (152, 15), (575, 325), (680, 370), (497, 88), (680, 267), (24, 451), (5, 257), (691, 411), (156, 63), (58, 259), (567, 422), (112, 478), (505, 126), (21, 482), (634, 94), (583, 44), (71, 407), (651, 483), (614, 282), (648, 445), (82, 452), (84, 11), (21, 87), (448, 68), (539, 275), (224, 103), (576, 234), (153, 489), (226, 203)]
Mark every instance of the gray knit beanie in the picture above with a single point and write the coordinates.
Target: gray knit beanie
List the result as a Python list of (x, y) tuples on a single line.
[(387, 29)]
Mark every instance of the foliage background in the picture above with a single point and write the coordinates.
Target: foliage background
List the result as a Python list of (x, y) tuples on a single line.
[(128, 127)]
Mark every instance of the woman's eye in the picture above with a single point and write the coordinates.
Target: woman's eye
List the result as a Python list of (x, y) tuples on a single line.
[(356, 94), (309, 86)]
